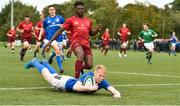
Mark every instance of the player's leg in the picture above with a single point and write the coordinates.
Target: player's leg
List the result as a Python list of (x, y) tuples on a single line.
[(37, 48), (46, 73), (12, 47), (107, 48), (125, 48), (78, 51), (174, 49), (52, 55), (24, 49), (121, 50), (58, 58)]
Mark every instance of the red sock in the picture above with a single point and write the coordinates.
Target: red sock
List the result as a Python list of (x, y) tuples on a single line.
[(78, 68)]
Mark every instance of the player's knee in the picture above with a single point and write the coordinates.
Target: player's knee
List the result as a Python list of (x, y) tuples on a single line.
[(80, 56)]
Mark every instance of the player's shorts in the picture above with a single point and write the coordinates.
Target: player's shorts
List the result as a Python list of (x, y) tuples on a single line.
[(64, 43), (86, 49), (173, 44), (124, 43), (149, 45), (27, 39), (47, 41), (59, 81), (60, 45), (104, 44), (11, 39)]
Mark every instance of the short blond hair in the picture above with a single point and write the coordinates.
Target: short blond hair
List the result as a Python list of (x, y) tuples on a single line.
[(100, 67)]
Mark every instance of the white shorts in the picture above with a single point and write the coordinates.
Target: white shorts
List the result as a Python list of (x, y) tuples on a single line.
[(173, 44), (64, 42), (46, 41), (149, 45), (59, 81), (60, 45), (124, 44)]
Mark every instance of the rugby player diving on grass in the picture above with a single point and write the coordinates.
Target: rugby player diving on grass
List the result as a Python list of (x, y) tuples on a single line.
[(68, 83)]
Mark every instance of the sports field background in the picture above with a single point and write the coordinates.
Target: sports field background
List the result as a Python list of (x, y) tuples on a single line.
[(138, 82)]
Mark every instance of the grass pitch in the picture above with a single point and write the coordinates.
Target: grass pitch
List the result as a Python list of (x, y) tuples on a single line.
[(138, 82)]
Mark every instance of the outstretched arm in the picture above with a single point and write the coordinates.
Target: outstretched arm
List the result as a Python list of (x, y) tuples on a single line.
[(78, 87), (54, 37), (115, 93), (96, 30)]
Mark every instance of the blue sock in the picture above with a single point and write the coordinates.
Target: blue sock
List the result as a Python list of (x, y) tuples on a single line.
[(37, 65), (51, 69), (58, 59), (52, 55)]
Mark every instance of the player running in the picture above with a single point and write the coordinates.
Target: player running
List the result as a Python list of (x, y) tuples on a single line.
[(51, 24), (147, 35), (80, 28), (173, 40), (123, 32), (105, 41), (39, 34), (11, 39), (25, 28), (68, 83)]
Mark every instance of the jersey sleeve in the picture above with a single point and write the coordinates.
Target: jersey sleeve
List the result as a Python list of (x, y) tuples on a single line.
[(153, 32), (141, 34), (67, 24), (90, 27), (104, 84), (62, 20), (20, 26), (45, 24)]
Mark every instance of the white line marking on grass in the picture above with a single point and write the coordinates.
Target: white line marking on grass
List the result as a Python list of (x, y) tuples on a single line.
[(146, 85), (128, 85), (24, 88), (144, 74)]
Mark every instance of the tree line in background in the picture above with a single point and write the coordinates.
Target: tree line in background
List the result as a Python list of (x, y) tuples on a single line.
[(107, 13)]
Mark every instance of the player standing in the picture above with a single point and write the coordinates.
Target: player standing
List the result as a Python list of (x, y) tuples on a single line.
[(147, 36), (105, 41), (25, 28), (123, 33), (11, 39), (80, 28), (51, 24), (173, 39), (39, 34)]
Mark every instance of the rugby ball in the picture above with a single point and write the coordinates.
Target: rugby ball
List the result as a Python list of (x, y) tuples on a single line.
[(89, 81)]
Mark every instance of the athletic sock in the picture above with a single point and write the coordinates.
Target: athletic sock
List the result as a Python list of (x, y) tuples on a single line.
[(125, 50), (121, 50), (37, 65), (150, 56), (78, 68), (51, 69), (58, 59), (52, 55)]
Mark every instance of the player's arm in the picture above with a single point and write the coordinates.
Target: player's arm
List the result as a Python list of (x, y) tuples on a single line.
[(78, 87), (154, 34), (58, 32), (19, 29), (96, 30), (8, 34), (114, 92)]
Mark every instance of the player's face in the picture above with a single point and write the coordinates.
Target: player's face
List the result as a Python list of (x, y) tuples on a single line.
[(26, 19), (124, 25), (52, 11), (145, 27), (99, 76), (173, 33), (80, 10)]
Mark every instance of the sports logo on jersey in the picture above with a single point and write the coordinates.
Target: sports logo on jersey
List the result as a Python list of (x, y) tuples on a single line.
[(76, 22), (48, 21), (57, 19)]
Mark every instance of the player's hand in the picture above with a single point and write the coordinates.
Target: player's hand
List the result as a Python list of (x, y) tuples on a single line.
[(116, 94), (95, 87), (22, 31), (39, 38), (155, 35)]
